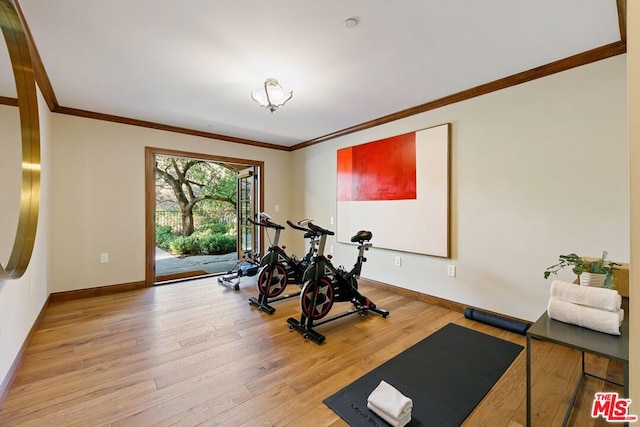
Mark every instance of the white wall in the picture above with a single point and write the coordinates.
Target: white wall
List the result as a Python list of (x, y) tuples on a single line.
[(21, 300), (98, 196), (538, 170)]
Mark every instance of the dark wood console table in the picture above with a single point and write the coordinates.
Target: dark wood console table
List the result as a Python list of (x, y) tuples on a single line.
[(613, 347)]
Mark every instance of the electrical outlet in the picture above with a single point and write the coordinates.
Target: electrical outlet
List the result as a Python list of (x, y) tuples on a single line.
[(331, 220), (397, 261), (331, 249), (104, 258), (277, 208), (451, 270)]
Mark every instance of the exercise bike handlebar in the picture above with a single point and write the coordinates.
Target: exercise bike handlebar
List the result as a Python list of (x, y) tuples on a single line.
[(319, 230), (303, 225), (300, 225), (266, 222)]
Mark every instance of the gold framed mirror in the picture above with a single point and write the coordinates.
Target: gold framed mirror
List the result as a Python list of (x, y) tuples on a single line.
[(27, 216)]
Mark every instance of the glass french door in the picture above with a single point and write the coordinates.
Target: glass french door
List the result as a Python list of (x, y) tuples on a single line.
[(248, 238)]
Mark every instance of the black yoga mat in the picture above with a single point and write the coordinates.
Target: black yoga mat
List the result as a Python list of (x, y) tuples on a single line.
[(446, 375)]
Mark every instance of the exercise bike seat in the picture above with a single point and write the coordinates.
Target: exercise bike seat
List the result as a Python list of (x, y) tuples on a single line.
[(362, 236)]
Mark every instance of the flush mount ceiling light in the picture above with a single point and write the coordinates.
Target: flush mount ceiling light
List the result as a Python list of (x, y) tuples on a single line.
[(271, 95)]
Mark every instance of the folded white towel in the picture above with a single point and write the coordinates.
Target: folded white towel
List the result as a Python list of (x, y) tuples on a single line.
[(390, 404), (401, 422), (601, 298), (599, 320)]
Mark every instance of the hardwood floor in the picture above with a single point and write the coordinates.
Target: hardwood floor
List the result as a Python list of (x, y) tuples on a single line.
[(195, 353)]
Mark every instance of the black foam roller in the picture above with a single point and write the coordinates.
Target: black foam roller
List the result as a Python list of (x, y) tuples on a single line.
[(497, 321)]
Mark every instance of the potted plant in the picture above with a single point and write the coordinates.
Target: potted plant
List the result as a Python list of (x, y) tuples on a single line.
[(590, 271)]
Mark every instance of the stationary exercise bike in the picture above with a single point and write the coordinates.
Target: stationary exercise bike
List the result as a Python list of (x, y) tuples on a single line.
[(277, 269), (324, 284)]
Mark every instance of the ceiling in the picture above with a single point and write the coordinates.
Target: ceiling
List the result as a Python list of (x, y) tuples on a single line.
[(192, 65)]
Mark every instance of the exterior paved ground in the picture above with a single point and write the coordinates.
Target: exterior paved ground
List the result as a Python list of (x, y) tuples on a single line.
[(167, 264)]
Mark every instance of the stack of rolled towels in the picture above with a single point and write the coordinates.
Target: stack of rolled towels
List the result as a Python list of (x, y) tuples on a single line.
[(391, 405), (599, 309)]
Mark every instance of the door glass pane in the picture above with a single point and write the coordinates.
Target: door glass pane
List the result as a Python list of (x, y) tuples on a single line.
[(246, 209)]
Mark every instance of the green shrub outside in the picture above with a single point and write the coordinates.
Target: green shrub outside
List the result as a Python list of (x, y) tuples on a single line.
[(202, 242), (214, 226), (164, 235), (218, 244), (184, 246)]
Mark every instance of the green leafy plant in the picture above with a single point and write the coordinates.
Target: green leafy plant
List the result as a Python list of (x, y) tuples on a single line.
[(215, 226), (199, 243), (218, 244), (581, 265), (164, 235)]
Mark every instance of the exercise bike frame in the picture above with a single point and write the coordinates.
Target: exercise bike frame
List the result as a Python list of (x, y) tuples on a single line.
[(277, 270), (325, 284)]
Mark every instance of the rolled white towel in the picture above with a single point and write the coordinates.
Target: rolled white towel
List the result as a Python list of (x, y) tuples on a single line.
[(602, 298), (394, 407), (599, 320)]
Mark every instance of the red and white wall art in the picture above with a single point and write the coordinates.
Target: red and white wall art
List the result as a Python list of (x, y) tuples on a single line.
[(397, 188)]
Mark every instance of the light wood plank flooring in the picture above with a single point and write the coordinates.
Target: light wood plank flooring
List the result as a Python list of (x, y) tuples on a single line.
[(196, 353)]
